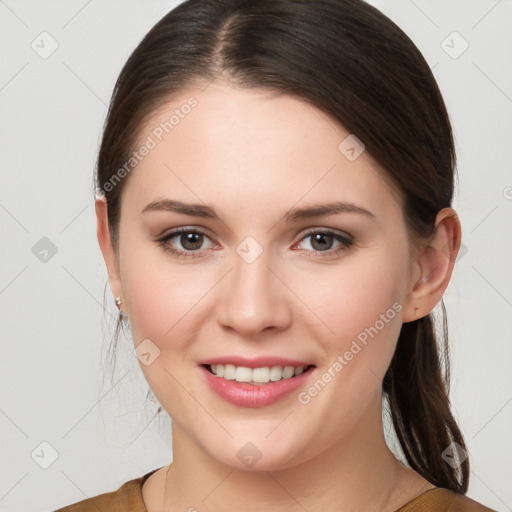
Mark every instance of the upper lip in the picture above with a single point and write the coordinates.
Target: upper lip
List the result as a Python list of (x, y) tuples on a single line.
[(255, 362)]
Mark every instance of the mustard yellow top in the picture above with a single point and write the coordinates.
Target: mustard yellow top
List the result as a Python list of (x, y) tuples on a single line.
[(128, 498)]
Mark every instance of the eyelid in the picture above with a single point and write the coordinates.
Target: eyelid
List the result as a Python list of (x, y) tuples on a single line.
[(180, 229), (171, 233), (327, 231)]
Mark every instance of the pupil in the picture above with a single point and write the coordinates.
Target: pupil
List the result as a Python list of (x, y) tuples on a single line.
[(194, 239), (319, 238)]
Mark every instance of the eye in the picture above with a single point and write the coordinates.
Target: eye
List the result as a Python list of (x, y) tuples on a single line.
[(322, 241), (191, 240)]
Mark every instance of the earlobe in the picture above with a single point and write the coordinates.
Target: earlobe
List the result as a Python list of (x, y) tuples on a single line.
[(435, 262), (106, 246)]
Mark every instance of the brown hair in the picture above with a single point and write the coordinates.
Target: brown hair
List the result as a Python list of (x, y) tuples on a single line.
[(349, 60)]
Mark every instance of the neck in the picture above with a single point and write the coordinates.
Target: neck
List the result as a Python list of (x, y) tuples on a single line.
[(357, 472)]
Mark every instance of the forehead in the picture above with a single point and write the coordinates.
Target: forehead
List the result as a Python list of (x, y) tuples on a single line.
[(252, 150)]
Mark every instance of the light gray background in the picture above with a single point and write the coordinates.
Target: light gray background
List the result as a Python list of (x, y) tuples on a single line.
[(53, 326)]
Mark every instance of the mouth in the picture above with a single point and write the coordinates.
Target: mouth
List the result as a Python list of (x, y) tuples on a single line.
[(258, 386), (256, 376)]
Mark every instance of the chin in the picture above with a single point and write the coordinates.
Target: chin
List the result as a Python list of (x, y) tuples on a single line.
[(261, 453)]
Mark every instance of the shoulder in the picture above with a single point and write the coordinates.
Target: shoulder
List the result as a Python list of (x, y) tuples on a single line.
[(443, 500), (128, 498)]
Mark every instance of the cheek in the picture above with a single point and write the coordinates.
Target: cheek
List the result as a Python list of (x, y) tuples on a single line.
[(163, 303), (363, 307), (358, 311), (354, 297), (161, 296)]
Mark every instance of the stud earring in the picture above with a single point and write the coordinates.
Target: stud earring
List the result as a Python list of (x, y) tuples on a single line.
[(118, 302)]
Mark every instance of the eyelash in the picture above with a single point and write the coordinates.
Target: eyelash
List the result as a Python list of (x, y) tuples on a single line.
[(346, 243)]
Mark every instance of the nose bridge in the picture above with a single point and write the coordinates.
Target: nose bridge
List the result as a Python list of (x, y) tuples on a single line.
[(253, 298)]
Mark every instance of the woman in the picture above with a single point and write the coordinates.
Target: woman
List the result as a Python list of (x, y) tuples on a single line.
[(275, 182)]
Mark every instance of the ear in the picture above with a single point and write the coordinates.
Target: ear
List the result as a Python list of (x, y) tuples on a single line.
[(106, 246), (434, 266)]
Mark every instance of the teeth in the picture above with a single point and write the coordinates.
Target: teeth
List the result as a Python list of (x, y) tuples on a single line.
[(256, 375), (243, 374), (229, 371), (299, 370), (288, 372), (275, 373), (260, 375)]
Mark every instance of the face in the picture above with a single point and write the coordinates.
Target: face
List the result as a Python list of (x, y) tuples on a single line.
[(258, 276)]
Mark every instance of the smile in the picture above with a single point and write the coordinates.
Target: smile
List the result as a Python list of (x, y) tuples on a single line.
[(256, 386), (255, 376)]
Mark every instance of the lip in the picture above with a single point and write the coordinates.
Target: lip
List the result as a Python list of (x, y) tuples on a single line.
[(248, 395), (256, 362)]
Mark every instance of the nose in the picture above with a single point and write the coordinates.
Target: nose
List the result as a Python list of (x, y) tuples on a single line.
[(254, 298)]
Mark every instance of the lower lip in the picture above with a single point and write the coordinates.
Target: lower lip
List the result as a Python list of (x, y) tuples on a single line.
[(247, 395)]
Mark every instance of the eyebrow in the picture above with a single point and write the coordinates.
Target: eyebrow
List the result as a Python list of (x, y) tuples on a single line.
[(292, 215)]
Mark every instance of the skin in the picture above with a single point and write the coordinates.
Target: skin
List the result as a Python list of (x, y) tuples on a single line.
[(252, 156)]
